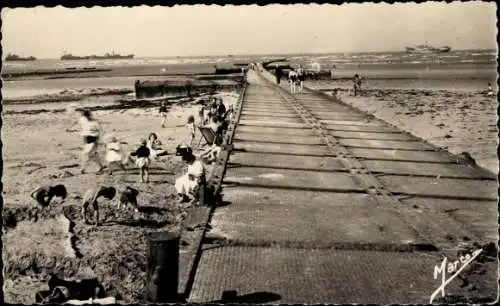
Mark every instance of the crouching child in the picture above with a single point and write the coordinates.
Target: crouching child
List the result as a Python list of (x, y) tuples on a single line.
[(44, 194), (188, 185), (128, 198), (91, 198)]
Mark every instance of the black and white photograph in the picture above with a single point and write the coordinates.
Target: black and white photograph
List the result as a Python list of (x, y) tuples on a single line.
[(250, 154)]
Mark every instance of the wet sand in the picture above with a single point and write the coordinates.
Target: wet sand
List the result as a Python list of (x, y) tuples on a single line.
[(456, 120)]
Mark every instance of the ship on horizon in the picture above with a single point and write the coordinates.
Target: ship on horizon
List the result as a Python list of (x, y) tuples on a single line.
[(14, 57), (427, 49), (69, 56)]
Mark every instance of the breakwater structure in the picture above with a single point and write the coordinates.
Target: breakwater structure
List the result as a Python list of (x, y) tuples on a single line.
[(52, 72), (160, 87), (317, 202)]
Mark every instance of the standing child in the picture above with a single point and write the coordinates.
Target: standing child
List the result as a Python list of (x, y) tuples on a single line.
[(44, 194), (142, 160), (90, 199), (207, 113), (163, 113), (154, 146), (192, 129), (114, 154), (201, 118)]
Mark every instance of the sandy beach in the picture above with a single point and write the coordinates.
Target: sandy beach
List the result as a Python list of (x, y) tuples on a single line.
[(45, 148), (455, 120)]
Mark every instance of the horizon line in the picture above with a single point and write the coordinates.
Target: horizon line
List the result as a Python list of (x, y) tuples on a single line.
[(274, 54)]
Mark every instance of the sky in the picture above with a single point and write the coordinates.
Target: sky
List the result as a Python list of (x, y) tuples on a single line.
[(222, 30)]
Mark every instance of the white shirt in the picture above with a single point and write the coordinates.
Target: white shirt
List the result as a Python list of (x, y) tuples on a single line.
[(89, 128), (113, 146), (196, 169), (292, 73)]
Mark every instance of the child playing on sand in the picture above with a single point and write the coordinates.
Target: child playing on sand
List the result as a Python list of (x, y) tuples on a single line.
[(91, 131), (192, 129), (153, 145), (114, 154), (163, 113), (490, 90), (207, 113), (128, 198), (90, 198), (142, 160), (210, 154), (187, 186), (44, 194), (201, 118)]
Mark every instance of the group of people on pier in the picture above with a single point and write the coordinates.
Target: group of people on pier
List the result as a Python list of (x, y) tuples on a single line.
[(213, 118), (297, 76)]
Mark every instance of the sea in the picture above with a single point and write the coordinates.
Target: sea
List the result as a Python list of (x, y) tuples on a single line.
[(455, 70)]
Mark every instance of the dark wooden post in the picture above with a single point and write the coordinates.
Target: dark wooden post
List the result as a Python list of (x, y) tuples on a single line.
[(163, 267)]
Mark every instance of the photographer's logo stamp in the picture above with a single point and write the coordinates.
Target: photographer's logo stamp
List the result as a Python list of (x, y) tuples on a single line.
[(454, 267)]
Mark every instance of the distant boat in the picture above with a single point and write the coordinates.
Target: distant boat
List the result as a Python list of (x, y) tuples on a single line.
[(427, 49), (69, 56), (14, 57)]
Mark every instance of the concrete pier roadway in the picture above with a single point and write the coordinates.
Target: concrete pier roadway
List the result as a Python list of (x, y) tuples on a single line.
[(325, 204)]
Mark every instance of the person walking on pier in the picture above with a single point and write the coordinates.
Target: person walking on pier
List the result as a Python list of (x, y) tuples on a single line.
[(292, 79), (279, 72), (301, 77)]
